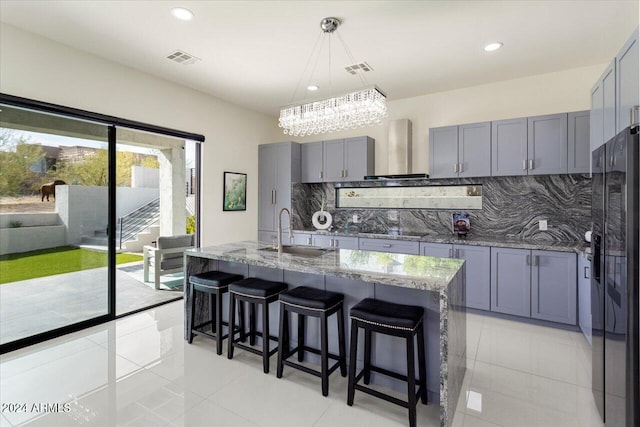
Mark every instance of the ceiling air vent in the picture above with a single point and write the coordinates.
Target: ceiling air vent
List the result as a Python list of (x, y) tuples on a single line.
[(182, 57), (361, 67)]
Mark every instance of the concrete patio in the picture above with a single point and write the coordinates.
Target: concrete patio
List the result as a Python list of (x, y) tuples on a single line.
[(37, 305)]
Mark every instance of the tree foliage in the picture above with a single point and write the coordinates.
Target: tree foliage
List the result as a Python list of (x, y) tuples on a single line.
[(17, 157)]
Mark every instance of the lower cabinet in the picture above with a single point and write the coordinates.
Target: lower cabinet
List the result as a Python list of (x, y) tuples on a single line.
[(478, 271), (301, 239), (537, 284), (389, 245), (338, 242)]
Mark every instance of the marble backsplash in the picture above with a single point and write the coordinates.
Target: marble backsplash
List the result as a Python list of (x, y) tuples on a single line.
[(512, 207)]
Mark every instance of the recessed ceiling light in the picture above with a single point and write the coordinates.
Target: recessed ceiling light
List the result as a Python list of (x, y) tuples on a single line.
[(313, 88), (493, 46), (182, 13)]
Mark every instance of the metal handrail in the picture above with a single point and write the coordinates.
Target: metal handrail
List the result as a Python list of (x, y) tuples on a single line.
[(138, 220)]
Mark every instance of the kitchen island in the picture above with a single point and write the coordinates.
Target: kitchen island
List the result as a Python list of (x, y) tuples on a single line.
[(436, 284)]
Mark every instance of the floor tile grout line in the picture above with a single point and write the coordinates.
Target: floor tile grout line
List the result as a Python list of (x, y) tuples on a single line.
[(529, 373)]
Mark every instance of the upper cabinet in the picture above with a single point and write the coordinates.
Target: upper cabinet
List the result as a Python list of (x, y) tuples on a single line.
[(509, 147), (615, 93), (278, 168), (547, 144), (627, 81), (349, 159), (578, 150), (460, 151)]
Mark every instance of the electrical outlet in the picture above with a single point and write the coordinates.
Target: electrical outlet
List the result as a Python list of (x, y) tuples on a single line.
[(355, 218), (542, 225)]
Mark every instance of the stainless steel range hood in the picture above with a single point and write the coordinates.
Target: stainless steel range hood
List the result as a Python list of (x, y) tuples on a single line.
[(399, 153)]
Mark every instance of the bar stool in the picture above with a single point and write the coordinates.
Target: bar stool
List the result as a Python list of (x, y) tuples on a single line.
[(306, 301), (253, 291), (398, 320), (213, 283)]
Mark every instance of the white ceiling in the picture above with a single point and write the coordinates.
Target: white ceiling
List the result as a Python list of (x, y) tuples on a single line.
[(254, 52)]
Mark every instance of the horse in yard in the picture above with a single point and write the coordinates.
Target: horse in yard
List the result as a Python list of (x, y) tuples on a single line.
[(49, 189)]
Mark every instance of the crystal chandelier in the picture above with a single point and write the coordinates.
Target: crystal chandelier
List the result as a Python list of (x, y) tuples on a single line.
[(366, 106)]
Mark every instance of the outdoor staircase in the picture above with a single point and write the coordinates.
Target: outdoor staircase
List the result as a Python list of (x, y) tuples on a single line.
[(133, 231)]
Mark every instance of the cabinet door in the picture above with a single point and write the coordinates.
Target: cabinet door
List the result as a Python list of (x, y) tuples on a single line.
[(554, 286), (311, 162), (596, 119), (359, 158), (322, 241), (438, 250), (443, 152), (609, 102), (478, 274), (301, 239), (547, 144), (267, 184), (269, 237), (341, 242), (286, 156), (584, 297), (627, 81), (333, 160), (579, 148), (511, 281), (509, 147), (389, 245), (474, 150)]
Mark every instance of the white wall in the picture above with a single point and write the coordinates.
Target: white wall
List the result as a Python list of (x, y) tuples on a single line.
[(35, 67), (142, 177), (542, 94)]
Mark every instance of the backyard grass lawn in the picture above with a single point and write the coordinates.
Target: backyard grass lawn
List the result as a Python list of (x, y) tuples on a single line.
[(47, 262)]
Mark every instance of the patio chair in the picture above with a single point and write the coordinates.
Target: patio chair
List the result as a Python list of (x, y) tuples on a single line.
[(167, 258)]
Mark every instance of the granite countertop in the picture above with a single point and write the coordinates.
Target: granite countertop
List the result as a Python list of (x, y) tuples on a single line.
[(471, 239), (408, 271)]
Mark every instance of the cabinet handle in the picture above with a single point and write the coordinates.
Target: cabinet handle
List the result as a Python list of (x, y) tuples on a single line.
[(535, 260), (457, 253), (455, 168), (611, 161), (386, 246), (460, 167), (309, 241), (450, 253), (528, 259), (531, 164), (320, 175), (273, 197), (586, 272), (336, 243), (524, 165), (346, 173)]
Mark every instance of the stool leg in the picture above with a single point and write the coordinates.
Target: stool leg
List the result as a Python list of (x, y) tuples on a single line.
[(252, 324), (324, 354), (232, 324), (192, 314), (281, 340), (421, 368), (367, 356), (212, 313), (341, 345), (218, 323), (243, 327), (301, 332), (353, 352), (411, 381), (265, 337)]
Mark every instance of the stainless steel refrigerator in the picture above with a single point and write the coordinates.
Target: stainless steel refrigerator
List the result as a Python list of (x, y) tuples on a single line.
[(614, 280)]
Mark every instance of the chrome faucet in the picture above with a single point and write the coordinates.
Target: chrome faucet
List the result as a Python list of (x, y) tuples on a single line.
[(280, 228)]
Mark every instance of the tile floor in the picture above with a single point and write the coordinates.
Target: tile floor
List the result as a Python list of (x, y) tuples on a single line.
[(138, 371)]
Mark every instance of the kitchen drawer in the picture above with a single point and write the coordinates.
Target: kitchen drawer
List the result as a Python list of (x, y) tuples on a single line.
[(338, 242), (389, 245), (301, 239)]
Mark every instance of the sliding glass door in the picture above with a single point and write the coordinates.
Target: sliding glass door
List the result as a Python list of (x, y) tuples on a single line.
[(54, 206)]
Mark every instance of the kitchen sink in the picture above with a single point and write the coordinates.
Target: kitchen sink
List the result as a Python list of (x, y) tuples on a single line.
[(298, 250)]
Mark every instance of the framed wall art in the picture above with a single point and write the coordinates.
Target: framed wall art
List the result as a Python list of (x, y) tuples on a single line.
[(235, 192)]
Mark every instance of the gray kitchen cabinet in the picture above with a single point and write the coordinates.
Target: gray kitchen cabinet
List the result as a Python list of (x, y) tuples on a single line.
[(269, 237), (359, 158), (578, 151), (477, 273), (547, 144), (443, 152), (509, 147), (460, 151), (301, 239), (338, 242), (596, 118), (438, 250), (311, 162), (511, 281), (333, 160), (584, 297), (553, 286), (389, 245), (609, 103), (278, 168), (627, 81)]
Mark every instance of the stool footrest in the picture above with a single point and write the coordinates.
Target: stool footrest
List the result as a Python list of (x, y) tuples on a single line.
[(237, 343), (209, 334), (309, 370), (207, 323), (382, 396), (311, 350)]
